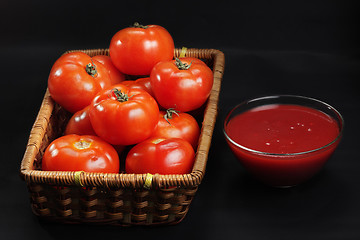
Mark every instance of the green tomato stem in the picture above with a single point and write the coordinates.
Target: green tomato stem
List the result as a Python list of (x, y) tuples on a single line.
[(138, 25), (120, 96), (169, 114), (91, 69), (182, 66)]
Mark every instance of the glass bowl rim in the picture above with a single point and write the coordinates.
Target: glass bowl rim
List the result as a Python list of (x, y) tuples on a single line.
[(341, 125)]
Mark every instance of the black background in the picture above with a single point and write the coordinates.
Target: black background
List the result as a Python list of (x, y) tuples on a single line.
[(308, 48)]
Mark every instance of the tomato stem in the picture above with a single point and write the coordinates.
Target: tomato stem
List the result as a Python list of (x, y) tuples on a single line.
[(138, 25), (91, 69), (82, 144), (169, 114), (182, 66), (120, 96)]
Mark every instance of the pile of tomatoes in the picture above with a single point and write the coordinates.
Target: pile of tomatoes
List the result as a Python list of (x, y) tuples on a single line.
[(149, 116)]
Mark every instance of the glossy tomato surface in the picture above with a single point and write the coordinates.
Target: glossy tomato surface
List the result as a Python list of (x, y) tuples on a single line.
[(75, 79), (192, 59), (141, 83), (80, 153), (163, 156), (80, 123), (115, 75), (177, 125), (136, 50), (124, 116), (183, 85)]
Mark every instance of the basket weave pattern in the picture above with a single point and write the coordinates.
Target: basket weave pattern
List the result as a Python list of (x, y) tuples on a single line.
[(117, 199)]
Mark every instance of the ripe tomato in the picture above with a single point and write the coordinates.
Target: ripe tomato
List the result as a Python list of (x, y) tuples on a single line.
[(123, 116), (159, 155), (182, 85), (191, 59), (115, 75), (80, 153), (75, 79), (141, 83), (173, 124), (80, 123), (135, 50)]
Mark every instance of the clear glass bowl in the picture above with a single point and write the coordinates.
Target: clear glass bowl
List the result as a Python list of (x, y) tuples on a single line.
[(283, 169)]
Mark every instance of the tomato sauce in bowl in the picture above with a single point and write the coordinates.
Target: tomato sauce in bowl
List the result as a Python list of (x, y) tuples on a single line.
[(283, 140)]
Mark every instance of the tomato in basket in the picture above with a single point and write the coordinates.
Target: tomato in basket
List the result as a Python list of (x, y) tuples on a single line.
[(80, 123), (80, 153), (191, 59), (135, 50), (141, 83), (115, 75), (75, 79), (160, 155), (123, 116), (184, 85), (174, 124)]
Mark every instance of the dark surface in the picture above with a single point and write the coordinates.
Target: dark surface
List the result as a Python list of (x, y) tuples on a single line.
[(309, 49)]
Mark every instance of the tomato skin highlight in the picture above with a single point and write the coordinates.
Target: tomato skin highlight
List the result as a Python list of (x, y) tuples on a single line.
[(124, 123), (192, 60), (162, 156), (141, 83), (180, 125), (80, 153), (115, 75), (183, 90), (71, 86), (135, 50), (80, 123)]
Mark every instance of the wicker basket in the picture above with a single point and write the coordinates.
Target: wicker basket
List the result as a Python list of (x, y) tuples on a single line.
[(117, 199)]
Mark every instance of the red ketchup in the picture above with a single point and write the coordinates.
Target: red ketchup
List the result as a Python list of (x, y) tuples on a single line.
[(278, 142)]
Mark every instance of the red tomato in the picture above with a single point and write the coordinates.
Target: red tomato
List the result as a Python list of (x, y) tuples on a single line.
[(141, 83), (75, 79), (174, 124), (115, 75), (80, 123), (191, 59), (163, 156), (184, 86), (123, 116), (135, 50), (80, 153)]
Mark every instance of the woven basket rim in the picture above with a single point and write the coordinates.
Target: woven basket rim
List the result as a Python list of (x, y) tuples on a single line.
[(127, 180)]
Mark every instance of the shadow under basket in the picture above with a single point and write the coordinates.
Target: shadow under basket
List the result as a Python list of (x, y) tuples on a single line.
[(108, 198)]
